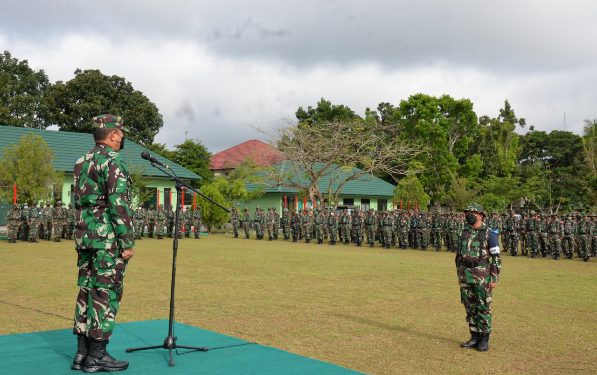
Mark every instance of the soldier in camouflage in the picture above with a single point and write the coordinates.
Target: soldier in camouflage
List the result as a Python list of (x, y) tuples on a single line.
[(104, 241), (285, 223), (332, 223), (569, 227), (370, 227), (34, 219), (159, 227), (478, 266), (13, 219), (58, 221), (556, 232), (70, 222), (318, 221), (246, 222), (235, 221), (47, 217)]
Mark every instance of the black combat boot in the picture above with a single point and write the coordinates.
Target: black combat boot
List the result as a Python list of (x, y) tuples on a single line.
[(82, 350), (99, 359), (472, 343), (483, 344)]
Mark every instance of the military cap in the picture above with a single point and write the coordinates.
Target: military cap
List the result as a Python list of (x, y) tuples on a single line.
[(475, 207), (109, 121)]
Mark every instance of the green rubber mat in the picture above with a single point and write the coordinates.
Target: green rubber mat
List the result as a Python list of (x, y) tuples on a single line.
[(51, 352)]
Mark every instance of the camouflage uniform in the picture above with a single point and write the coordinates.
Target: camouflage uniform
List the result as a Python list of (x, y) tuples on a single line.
[(257, 224), (138, 219), (543, 244), (332, 224), (584, 228), (59, 221), (151, 222), (386, 223), (235, 220), (104, 229), (159, 218), (556, 232), (569, 228), (308, 226), (370, 227), (533, 234), (477, 265), (294, 226), (34, 219), (436, 231), (357, 228), (511, 234), (319, 224), (344, 223), (285, 224), (404, 225), (70, 222), (197, 216), (13, 219), (246, 222)]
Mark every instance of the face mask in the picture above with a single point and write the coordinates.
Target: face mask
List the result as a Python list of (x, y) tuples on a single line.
[(471, 218)]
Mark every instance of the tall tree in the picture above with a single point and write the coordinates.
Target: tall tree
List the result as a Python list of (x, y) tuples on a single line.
[(325, 112), (321, 160), (22, 93), (192, 155), (29, 165), (89, 93)]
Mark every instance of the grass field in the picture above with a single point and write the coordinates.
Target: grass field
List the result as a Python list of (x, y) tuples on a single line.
[(373, 310)]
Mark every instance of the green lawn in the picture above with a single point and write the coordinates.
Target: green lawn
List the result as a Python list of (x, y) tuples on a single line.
[(374, 310)]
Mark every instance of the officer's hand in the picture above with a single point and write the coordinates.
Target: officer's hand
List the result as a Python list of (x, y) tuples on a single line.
[(492, 285), (128, 254)]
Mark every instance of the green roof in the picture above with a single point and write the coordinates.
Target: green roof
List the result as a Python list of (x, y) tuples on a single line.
[(69, 146), (364, 185)]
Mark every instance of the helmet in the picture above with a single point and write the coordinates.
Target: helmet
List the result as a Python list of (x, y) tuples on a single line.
[(475, 207)]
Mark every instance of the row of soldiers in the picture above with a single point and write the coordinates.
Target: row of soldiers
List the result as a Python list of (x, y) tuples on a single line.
[(538, 234), (32, 223), (547, 235), (159, 223)]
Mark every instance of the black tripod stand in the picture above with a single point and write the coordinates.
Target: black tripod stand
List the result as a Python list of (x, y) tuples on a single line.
[(170, 340)]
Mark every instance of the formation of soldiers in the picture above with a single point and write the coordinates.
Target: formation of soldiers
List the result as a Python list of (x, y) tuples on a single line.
[(25, 223), (533, 235), (159, 223)]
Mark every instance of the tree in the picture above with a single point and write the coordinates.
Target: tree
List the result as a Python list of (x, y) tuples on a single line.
[(29, 165), (590, 151), (410, 192), (22, 92), (321, 160), (192, 155), (212, 215), (461, 193), (446, 128), (73, 104), (325, 112)]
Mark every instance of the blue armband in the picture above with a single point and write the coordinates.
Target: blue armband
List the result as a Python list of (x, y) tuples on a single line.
[(494, 244)]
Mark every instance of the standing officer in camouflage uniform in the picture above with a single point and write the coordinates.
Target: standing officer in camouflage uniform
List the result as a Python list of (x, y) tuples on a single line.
[(333, 227), (285, 223), (104, 241), (294, 226), (160, 217), (235, 220), (13, 219), (386, 223), (511, 234), (246, 222), (151, 221), (556, 232), (370, 227), (59, 221), (584, 228), (34, 218), (197, 216), (257, 224), (569, 227), (318, 220), (436, 231), (70, 222), (478, 267)]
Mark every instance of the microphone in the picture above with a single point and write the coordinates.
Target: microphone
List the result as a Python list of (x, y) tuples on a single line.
[(145, 155)]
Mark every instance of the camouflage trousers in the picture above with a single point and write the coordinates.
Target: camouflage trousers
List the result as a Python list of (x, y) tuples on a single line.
[(58, 229), (286, 231), (533, 242), (319, 232), (344, 233), (197, 228), (333, 234), (555, 245), (160, 229), (13, 229), (308, 231), (33, 230), (584, 245), (370, 234), (234, 228), (476, 299), (100, 281), (138, 229), (568, 245), (436, 238), (387, 236), (511, 242), (247, 228)]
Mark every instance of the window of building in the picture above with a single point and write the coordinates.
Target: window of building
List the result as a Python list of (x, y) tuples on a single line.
[(365, 204), (348, 201), (382, 204)]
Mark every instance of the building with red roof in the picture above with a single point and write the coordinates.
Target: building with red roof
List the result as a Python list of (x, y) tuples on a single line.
[(259, 152)]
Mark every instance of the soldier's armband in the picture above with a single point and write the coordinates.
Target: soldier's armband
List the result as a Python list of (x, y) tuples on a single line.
[(494, 244)]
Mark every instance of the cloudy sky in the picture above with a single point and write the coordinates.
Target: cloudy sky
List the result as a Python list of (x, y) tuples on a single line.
[(219, 69)]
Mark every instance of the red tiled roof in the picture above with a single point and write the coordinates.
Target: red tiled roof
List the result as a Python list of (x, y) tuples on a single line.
[(261, 153)]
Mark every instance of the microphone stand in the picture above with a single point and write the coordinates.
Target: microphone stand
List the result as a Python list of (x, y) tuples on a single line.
[(170, 340)]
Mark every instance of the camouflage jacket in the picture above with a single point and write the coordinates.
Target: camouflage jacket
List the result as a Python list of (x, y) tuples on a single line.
[(102, 201), (474, 263)]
